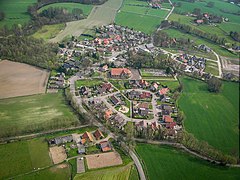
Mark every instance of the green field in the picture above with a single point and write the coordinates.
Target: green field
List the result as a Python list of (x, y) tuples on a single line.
[(70, 6), (212, 117), (139, 16), (48, 31), (35, 113), (23, 156), (118, 173), (15, 11), (163, 162), (88, 82), (60, 172)]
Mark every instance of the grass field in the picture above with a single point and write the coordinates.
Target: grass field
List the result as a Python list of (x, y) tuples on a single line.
[(134, 174), (15, 11), (48, 31), (23, 156), (88, 82), (162, 162), (138, 15), (212, 117), (60, 172), (122, 173), (34, 113), (212, 67), (70, 6)]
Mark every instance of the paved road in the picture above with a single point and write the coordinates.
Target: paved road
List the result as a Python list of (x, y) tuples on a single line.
[(166, 18), (138, 165), (219, 64)]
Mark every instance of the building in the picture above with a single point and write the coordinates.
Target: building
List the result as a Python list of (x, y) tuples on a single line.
[(107, 114), (105, 146), (98, 134), (87, 137), (61, 140), (120, 73)]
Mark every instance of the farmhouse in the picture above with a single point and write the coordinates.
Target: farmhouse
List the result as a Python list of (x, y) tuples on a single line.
[(120, 73), (105, 146), (98, 134), (87, 137), (61, 140)]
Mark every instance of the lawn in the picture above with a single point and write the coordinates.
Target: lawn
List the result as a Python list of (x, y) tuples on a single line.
[(122, 172), (15, 11), (212, 117), (88, 82), (163, 162), (119, 84), (70, 6), (60, 172), (35, 113), (48, 31), (23, 156)]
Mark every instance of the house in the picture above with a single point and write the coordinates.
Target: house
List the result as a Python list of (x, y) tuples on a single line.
[(144, 105), (203, 47), (120, 73), (143, 111), (171, 125), (61, 140), (134, 94), (154, 87), (163, 91), (155, 126), (145, 95), (199, 21), (167, 119), (107, 114), (166, 107), (87, 137), (105, 146), (114, 100), (141, 125), (105, 68), (143, 83), (98, 134)]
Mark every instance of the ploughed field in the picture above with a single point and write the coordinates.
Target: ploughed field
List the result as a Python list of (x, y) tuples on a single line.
[(212, 117), (18, 79), (32, 114), (163, 162)]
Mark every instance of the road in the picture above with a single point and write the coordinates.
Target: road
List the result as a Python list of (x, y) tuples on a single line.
[(166, 18), (219, 64)]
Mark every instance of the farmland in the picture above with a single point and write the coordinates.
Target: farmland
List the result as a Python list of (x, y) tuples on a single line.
[(100, 15), (35, 113), (70, 6), (15, 79), (122, 172), (15, 11), (163, 162), (23, 156), (48, 31), (138, 15), (59, 172), (212, 117)]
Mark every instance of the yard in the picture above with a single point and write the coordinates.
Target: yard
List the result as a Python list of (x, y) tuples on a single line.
[(23, 156), (212, 117), (36, 113), (88, 82), (15, 11), (163, 162)]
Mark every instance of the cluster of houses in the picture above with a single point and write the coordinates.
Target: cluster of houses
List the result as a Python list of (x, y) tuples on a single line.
[(139, 95), (57, 81), (207, 18), (141, 110), (102, 89), (155, 4), (192, 63), (81, 142)]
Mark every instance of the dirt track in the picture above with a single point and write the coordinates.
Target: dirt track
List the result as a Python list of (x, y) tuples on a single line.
[(18, 79)]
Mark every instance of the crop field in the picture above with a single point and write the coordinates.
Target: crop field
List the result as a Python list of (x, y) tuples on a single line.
[(219, 50), (48, 31), (122, 172), (15, 11), (19, 79), (100, 15), (212, 67), (70, 6), (212, 117), (163, 162), (59, 172), (36, 113), (23, 156), (138, 15)]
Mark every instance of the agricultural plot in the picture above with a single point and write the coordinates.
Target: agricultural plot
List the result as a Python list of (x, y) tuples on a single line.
[(106, 174), (70, 6), (212, 117), (212, 67), (18, 79), (48, 31), (163, 161), (100, 15), (23, 156), (35, 113), (15, 11), (140, 16), (59, 172)]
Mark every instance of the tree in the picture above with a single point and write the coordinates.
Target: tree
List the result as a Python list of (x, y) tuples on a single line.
[(214, 84), (210, 4), (2, 15), (168, 70)]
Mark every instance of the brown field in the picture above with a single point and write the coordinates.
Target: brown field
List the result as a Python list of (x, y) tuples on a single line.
[(18, 79), (103, 160), (58, 154)]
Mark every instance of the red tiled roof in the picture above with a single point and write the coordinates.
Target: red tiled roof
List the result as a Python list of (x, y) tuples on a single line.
[(171, 125), (163, 91), (87, 136), (167, 119), (98, 134), (119, 71)]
